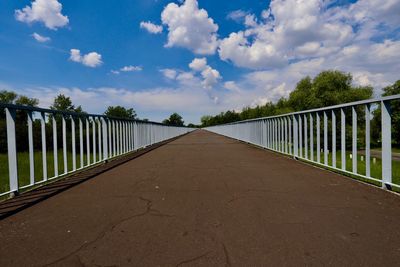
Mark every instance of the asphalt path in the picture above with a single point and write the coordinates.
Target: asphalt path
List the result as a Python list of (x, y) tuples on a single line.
[(207, 200)]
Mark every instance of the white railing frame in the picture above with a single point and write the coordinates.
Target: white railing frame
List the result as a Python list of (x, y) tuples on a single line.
[(300, 140), (106, 138)]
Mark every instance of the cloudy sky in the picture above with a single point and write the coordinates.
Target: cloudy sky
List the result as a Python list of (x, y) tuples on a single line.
[(194, 57)]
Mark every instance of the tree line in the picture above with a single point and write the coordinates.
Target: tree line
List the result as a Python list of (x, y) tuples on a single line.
[(328, 88)]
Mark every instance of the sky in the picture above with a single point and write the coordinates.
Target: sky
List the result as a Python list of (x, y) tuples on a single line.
[(194, 57)]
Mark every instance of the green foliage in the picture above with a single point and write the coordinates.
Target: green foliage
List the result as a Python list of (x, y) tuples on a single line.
[(64, 103), (120, 112), (10, 97), (327, 89), (393, 89), (174, 120)]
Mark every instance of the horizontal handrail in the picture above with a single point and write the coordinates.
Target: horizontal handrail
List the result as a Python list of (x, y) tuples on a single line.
[(349, 104)]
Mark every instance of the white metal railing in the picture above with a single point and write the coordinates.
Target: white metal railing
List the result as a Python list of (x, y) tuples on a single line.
[(96, 137), (295, 134)]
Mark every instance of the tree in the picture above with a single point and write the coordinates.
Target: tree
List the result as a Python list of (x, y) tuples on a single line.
[(120, 112), (174, 120), (21, 130), (64, 103), (8, 97), (326, 89), (393, 89)]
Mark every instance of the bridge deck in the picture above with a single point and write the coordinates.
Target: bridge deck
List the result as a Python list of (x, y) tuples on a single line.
[(206, 200)]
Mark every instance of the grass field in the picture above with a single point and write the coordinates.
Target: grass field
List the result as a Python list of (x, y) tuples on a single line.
[(376, 168), (23, 167)]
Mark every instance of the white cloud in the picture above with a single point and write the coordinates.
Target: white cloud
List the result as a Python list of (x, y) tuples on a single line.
[(198, 64), (169, 73), (40, 38), (210, 76), (92, 59), (127, 69), (190, 27), (151, 27), (236, 48), (45, 11), (236, 15), (287, 30)]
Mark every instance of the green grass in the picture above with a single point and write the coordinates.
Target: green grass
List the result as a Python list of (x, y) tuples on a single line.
[(376, 168), (23, 167)]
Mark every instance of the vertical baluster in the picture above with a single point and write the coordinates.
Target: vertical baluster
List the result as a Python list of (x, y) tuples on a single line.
[(64, 136), (311, 137), (295, 136), (31, 152), (300, 136), (325, 138), (12, 150), (386, 145), (286, 135), (81, 142), (368, 140), (94, 139), (333, 139), (55, 145), (99, 134), (110, 148), (87, 141), (44, 145), (343, 138), (290, 134), (305, 137), (105, 138), (73, 143), (114, 138), (354, 146), (279, 134), (318, 138)]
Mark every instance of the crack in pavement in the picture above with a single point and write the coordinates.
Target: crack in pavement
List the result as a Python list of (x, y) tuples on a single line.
[(227, 257), (193, 259), (149, 210)]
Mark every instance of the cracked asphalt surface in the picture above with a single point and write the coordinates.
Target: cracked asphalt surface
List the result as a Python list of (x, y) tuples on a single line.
[(206, 200)]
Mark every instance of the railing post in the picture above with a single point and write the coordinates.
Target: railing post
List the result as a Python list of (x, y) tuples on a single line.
[(73, 143), (55, 145), (368, 140), (64, 135), (354, 141), (31, 150), (295, 136), (105, 139), (44, 150), (12, 150), (343, 138), (386, 145)]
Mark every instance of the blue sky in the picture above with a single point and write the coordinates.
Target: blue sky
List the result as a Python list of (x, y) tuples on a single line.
[(192, 57)]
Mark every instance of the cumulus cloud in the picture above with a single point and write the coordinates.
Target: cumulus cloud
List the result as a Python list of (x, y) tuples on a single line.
[(190, 27), (45, 11), (210, 76), (287, 30), (92, 59), (151, 27), (40, 38)]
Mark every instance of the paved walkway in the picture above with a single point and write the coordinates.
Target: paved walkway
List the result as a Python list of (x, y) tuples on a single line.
[(206, 200)]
